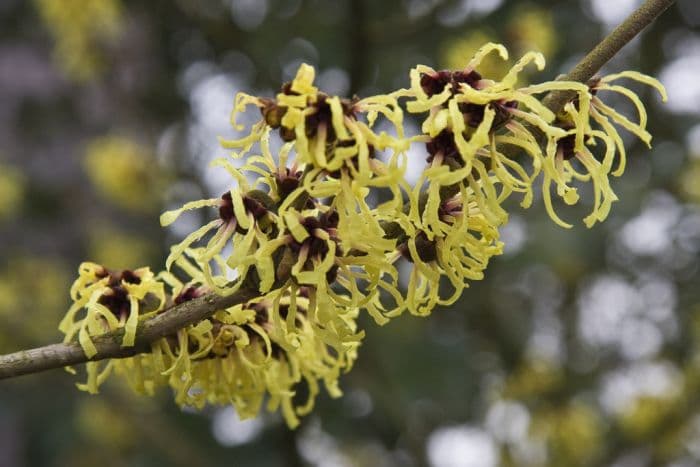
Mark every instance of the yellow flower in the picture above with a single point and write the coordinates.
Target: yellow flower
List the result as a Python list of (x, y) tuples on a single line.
[(587, 121), (452, 239), (143, 372), (469, 120), (243, 355), (245, 221), (600, 110), (292, 237), (110, 300), (338, 273), (328, 131), (103, 301), (263, 348), (475, 124)]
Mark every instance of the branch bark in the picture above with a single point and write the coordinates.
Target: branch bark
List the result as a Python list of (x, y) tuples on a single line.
[(177, 317), (109, 345)]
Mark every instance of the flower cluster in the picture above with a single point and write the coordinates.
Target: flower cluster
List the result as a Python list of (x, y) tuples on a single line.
[(475, 124), (321, 218)]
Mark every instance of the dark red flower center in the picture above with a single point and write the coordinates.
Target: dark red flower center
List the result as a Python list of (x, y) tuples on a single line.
[(434, 83), (251, 204), (116, 299)]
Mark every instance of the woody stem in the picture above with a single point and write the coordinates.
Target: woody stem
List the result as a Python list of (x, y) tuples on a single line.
[(589, 65)]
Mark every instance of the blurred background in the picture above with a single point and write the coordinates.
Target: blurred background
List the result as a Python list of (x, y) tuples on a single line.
[(581, 347)]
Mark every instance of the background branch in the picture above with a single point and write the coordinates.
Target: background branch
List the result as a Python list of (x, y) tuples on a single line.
[(179, 316)]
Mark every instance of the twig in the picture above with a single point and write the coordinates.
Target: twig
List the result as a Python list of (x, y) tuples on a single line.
[(607, 48), (109, 345)]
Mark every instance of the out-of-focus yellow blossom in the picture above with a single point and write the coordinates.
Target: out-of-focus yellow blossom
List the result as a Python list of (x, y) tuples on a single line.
[(80, 29), (123, 172), (694, 329), (105, 424), (533, 380), (28, 286), (690, 181), (573, 434), (642, 418), (12, 187), (532, 28), (121, 250)]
